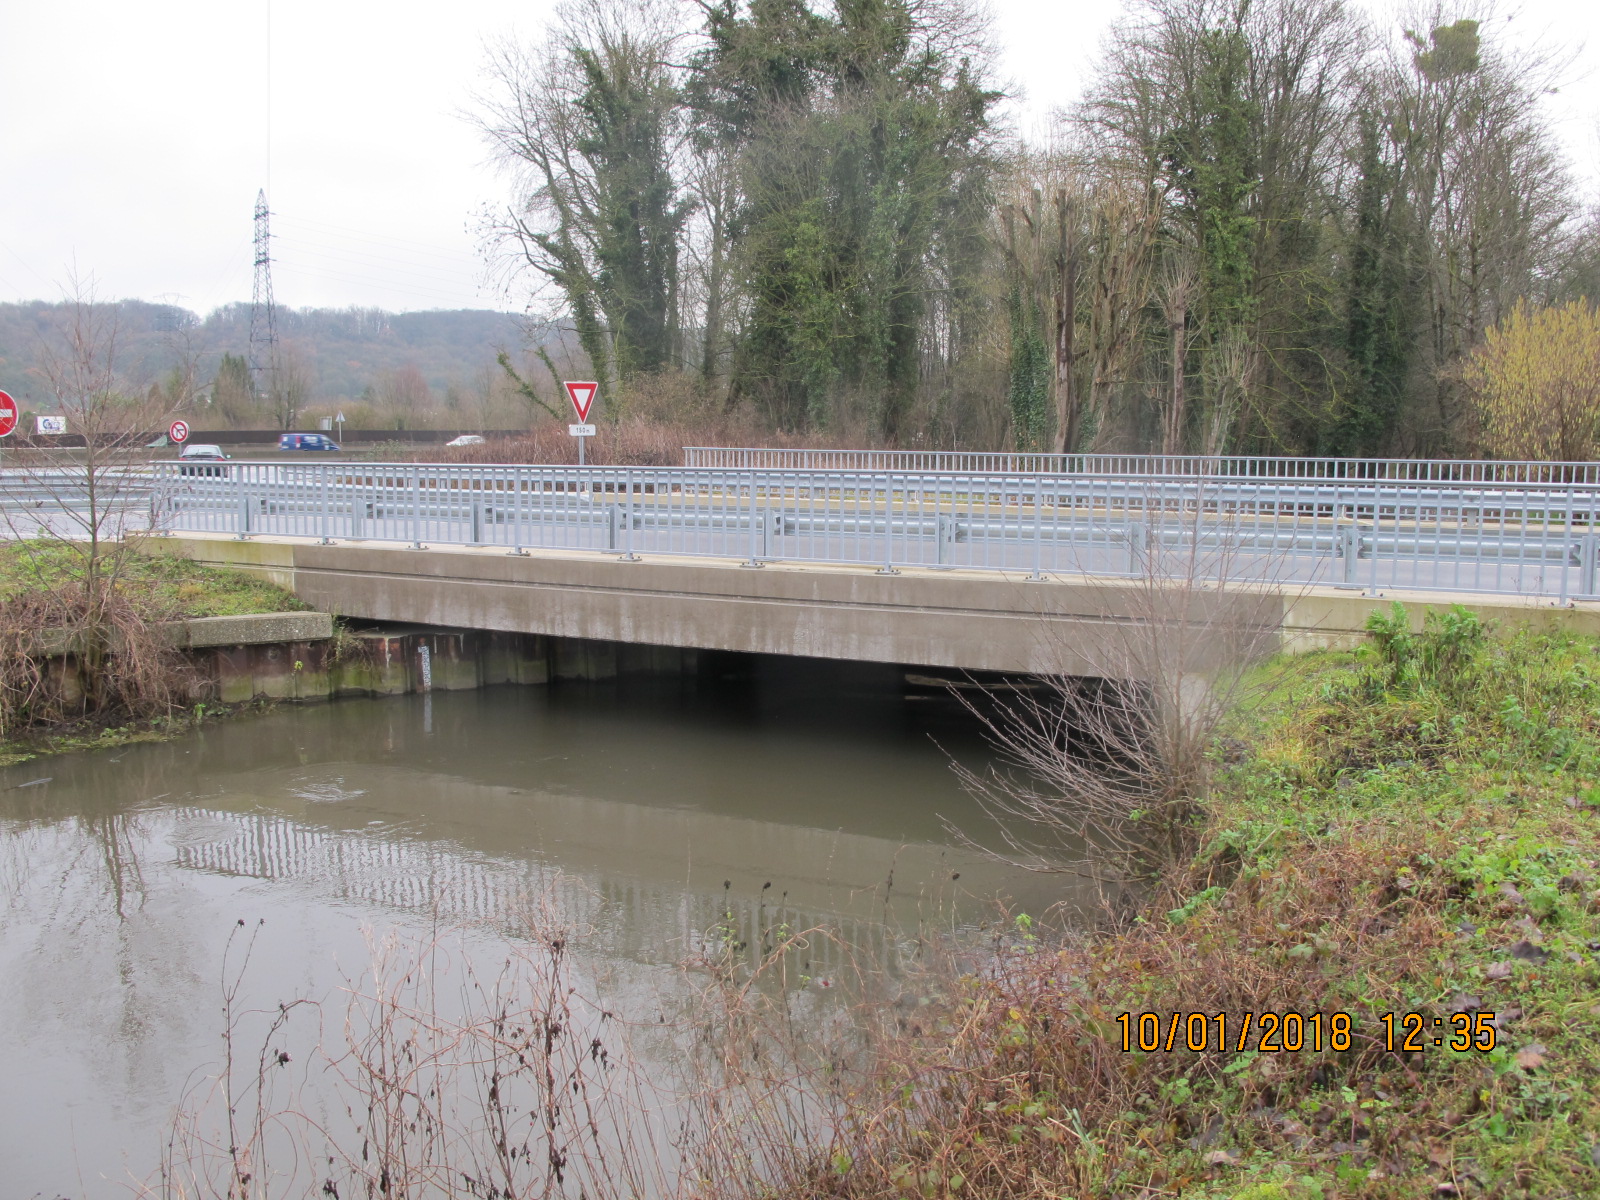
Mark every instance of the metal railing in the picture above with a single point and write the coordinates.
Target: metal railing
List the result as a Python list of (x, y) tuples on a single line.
[(1416, 470), (1540, 539)]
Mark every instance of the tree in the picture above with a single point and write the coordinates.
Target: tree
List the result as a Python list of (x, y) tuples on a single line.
[(289, 384), (591, 120), (860, 137), (404, 395), (1536, 383), (233, 393)]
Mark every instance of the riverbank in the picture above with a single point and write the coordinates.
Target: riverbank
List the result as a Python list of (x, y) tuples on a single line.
[(1413, 828), (64, 688)]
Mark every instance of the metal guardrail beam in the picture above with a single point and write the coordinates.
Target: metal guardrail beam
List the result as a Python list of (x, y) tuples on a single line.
[(1520, 537), (1126, 465)]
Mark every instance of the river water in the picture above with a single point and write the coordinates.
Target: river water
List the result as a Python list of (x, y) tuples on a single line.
[(269, 854)]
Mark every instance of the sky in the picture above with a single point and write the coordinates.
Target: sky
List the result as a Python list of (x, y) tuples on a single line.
[(136, 136)]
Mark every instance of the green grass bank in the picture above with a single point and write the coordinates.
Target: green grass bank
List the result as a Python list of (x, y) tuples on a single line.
[(136, 687), (1411, 828), (164, 587)]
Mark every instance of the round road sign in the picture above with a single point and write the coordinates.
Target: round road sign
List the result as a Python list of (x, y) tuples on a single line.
[(178, 432), (8, 414)]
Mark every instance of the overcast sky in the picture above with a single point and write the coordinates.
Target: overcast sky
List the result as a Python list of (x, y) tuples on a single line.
[(136, 136)]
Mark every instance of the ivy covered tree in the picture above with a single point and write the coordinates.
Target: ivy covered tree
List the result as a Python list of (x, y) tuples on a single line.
[(862, 141), (593, 123)]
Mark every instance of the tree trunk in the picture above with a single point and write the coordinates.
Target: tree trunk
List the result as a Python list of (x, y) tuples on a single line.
[(1069, 410)]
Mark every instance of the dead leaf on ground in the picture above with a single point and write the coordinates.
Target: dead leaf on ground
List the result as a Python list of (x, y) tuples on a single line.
[(1527, 951), (1531, 1056), (1464, 1002), (1499, 970), (1222, 1158)]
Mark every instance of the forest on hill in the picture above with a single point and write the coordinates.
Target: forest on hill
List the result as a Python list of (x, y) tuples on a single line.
[(1268, 225), (377, 367)]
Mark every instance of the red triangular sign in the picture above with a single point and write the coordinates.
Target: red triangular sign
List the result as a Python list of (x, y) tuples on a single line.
[(581, 393)]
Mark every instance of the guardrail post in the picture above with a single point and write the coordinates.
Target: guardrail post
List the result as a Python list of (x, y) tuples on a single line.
[(244, 515), (477, 522), (360, 513), (1138, 535), (944, 535), (613, 525), (1589, 567), (1349, 549)]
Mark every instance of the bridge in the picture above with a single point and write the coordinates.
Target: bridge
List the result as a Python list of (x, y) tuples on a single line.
[(1042, 570)]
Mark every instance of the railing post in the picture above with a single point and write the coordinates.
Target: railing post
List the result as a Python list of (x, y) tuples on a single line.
[(416, 511), (1038, 528), (888, 567), (244, 511), (327, 508), (943, 534), (477, 522), (516, 517), (755, 556), (627, 520)]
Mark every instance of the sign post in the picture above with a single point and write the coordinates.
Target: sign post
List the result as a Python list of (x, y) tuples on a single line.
[(581, 392), (178, 432)]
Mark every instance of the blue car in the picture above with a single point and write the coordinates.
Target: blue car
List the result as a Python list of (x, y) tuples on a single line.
[(306, 441)]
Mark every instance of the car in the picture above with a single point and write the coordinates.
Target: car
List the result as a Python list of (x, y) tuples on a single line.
[(306, 441), (467, 439), (200, 458)]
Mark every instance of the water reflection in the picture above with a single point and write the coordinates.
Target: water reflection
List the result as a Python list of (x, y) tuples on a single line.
[(643, 810)]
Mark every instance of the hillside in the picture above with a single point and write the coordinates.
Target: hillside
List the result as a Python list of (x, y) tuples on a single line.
[(343, 352)]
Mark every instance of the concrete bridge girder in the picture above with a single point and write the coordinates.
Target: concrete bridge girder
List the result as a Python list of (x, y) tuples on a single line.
[(969, 620)]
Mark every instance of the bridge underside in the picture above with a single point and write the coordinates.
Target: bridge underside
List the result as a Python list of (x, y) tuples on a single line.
[(978, 621)]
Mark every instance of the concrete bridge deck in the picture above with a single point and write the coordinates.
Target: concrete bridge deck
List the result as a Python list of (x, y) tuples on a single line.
[(969, 620)]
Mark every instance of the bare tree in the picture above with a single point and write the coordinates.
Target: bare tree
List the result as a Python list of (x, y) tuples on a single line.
[(91, 502), (1178, 282), (1122, 763)]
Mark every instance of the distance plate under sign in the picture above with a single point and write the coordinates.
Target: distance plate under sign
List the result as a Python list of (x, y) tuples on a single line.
[(580, 430)]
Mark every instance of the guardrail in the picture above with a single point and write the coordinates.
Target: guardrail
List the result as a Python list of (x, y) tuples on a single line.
[(1538, 539), (1416, 470)]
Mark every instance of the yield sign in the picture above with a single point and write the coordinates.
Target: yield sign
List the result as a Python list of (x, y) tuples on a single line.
[(581, 393)]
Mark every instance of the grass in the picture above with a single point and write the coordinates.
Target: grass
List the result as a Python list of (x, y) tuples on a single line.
[(139, 691), (1413, 828), (165, 586)]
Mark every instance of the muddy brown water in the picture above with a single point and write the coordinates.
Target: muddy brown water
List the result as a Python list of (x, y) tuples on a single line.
[(639, 811)]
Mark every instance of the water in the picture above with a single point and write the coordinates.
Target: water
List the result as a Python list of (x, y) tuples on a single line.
[(639, 811)]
